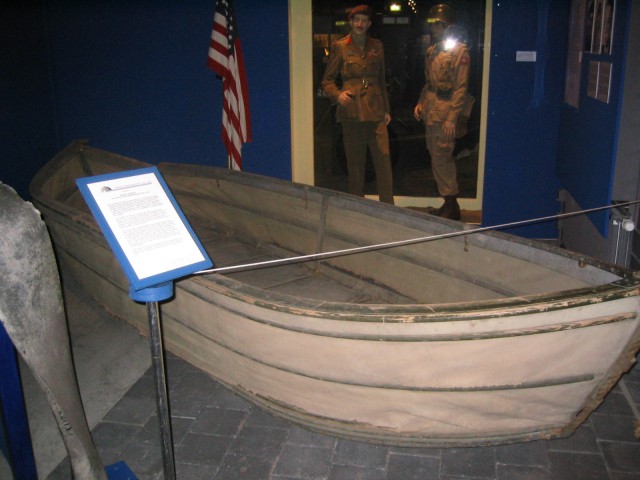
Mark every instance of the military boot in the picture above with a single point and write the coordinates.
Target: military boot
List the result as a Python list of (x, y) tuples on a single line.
[(436, 211), (451, 209)]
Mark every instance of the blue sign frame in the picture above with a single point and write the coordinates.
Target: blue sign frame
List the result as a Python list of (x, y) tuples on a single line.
[(137, 283)]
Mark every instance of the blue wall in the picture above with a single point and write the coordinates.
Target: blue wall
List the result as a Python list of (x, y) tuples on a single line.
[(588, 145), (131, 77), (523, 114), (27, 126)]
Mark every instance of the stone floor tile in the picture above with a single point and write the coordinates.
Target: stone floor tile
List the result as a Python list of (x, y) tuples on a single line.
[(132, 409), (413, 467), (303, 462), (145, 387), (190, 471), (424, 451), (464, 477), (634, 373), (477, 462), (624, 476), (179, 429), (150, 433), (260, 418), (202, 449), (613, 427), (144, 461), (300, 436), (190, 394), (529, 453), (258, 441), (522, 472), (577, 466), (63, 470), (197, 379), (243, 467), (175, 367), (634, 390), (360, 454), (583, 440), (222, 397), (218, 421), (621, 456), (111, 455), (615, 403), (350, 472), (114, 435)]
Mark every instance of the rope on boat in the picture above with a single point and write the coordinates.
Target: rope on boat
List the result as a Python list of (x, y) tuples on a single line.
[(401, 243)]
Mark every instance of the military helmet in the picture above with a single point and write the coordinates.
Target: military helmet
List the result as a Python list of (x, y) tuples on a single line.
[(441, 13)]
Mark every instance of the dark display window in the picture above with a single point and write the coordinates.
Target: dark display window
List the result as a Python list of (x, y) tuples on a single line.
[(405, 36)]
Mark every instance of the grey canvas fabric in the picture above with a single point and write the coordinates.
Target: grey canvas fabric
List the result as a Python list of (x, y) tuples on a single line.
[(32, 312)]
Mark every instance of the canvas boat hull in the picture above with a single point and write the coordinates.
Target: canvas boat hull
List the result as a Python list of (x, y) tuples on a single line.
[(473, 340)]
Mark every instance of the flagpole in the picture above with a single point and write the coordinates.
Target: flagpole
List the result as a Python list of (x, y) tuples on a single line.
[(226, 59)]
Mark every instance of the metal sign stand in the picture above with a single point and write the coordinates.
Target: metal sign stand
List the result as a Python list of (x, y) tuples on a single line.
[(151, 266), (151, 296)]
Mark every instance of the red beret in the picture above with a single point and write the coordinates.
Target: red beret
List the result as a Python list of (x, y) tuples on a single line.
[(362, 10)]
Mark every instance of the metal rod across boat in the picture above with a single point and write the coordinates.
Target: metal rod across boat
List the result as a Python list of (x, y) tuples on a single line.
[(401, 243)]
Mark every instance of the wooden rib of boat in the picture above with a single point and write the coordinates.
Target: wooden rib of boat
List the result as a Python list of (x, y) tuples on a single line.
[(471, 340)]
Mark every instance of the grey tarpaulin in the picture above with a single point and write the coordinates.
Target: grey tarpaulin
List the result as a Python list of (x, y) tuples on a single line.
[(32, 313)]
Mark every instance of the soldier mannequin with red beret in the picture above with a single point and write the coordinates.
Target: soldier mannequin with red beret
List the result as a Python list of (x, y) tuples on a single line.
[(363, 102)]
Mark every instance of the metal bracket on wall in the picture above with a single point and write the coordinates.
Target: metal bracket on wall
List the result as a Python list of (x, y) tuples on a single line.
[(622, 231)]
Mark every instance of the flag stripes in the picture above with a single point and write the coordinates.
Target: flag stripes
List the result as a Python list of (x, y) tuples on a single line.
[(226, 59)]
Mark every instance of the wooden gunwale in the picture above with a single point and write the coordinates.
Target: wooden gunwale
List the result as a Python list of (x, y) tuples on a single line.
[(503, 307)]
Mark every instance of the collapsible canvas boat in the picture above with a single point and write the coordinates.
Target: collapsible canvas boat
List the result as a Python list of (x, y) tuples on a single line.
[(475, 339)]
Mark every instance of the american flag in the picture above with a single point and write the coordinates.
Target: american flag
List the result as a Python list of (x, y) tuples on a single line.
[(225, 58)]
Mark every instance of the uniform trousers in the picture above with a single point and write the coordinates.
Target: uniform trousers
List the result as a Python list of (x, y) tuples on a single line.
[(443, 163), (357, 136)]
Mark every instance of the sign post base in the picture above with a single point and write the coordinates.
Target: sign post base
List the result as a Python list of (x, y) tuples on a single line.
[(151, 296)]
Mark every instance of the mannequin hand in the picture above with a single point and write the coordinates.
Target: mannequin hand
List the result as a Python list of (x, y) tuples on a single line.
[(449, 130), (345, 98), (387, 118)]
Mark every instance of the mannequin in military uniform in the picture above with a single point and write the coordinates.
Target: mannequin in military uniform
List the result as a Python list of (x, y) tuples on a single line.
[(363, 102), (445, 104)]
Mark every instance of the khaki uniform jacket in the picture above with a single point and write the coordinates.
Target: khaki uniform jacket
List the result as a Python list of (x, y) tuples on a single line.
[(363, 74), (445, 94)]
